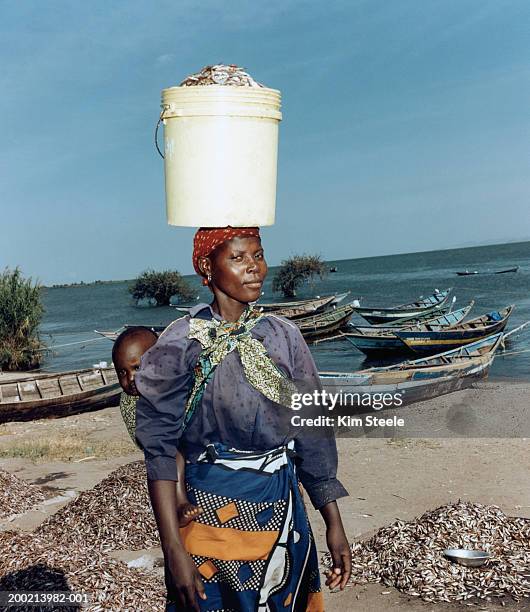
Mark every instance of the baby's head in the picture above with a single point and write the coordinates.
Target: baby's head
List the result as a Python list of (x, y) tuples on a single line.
[(128, 349)]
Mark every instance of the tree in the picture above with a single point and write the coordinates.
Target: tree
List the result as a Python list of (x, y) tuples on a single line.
[(295, 271), (21, 312), (161, 286)]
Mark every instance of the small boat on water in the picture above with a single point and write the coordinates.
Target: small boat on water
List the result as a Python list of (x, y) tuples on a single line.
[(322, 324), (58, 394), (421, 306), (473, 272), (375, 340), (415, 380), (459, 335)]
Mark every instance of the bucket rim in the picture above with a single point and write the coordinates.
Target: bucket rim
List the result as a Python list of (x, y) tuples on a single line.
[(223, 88)]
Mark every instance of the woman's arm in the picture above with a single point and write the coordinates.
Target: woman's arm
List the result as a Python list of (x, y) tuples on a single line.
[(317, 466), (338, 547), (315, 447), (163, 381), (183, 581)]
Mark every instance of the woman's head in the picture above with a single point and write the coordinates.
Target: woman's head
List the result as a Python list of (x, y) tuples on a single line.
[(231, 261)]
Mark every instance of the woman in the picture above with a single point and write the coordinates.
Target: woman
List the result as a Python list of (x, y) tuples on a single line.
[(215, 387)]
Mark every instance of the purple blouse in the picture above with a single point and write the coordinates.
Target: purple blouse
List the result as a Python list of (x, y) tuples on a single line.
[(232, 412)]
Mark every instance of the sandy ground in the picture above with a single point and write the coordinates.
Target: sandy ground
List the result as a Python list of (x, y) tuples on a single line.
[(388, 476)]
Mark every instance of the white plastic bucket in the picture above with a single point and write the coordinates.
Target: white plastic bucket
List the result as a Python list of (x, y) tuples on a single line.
[(220, 155)]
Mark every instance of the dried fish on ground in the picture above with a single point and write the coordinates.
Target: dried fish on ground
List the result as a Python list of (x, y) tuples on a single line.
[(32, 563), (409, 555), (16, 495), (115, 514), (221, 74)]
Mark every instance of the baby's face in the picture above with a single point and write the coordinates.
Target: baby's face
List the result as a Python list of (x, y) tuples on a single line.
[(127, 362)]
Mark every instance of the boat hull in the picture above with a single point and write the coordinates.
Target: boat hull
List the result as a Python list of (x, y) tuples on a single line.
[(324, 324), (428, 342), (61, 399), (379, 340), (371, 345), (376, 317), (419, 379), (410, 391), (413, 309)]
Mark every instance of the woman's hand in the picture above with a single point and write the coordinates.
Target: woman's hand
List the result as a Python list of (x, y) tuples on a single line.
[(183, 581), (338, 547), (340, 555)]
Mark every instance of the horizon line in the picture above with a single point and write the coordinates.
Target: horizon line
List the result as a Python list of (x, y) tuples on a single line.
[(457, 248)]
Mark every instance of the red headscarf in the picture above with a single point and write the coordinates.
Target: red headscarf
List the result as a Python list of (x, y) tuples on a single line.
[(208, 238)]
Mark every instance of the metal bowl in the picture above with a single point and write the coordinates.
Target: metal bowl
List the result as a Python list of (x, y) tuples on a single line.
[(469, 558)]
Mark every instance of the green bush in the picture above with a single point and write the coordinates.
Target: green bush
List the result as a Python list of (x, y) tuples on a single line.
[(295, 271), (21, 312), (161, 286)]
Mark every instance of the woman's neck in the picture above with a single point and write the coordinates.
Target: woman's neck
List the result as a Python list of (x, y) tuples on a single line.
[(227, 308)]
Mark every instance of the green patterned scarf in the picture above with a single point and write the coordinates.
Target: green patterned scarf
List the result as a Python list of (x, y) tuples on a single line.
[(220, 338)]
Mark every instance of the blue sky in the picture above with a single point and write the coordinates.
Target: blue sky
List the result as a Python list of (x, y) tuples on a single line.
[(405, 127)]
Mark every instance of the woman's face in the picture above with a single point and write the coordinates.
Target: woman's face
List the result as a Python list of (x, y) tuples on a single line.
[(238, 268)]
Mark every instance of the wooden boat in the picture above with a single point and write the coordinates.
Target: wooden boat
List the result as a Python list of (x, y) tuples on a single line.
[(310, 305), (467, 273), (372, 340), (319, 325), (459, 335), (296, 312), (421, 306), (417, 318), (473, 272), (507, 271), (58, 394), (307, 320), (415, 380), (293, 309)]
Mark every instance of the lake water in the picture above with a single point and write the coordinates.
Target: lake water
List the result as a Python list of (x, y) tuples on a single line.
[(72, 313)]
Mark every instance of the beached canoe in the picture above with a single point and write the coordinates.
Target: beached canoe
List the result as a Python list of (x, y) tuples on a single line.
[(311, 325), (294, 309), (376, 340), (58, 394), (417, 318), (421, 306), (303, 310), (308, 306), (431, 342), (319, 325), (309, 303), (415, 380)]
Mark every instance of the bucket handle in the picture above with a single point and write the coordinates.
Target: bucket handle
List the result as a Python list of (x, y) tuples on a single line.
[(160, 119)]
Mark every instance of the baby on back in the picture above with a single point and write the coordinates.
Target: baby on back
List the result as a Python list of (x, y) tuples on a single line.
[(127, 352)]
